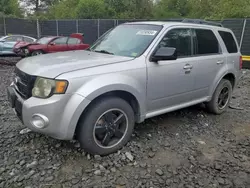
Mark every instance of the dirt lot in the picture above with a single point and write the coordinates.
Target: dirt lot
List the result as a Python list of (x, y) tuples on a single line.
[(188, 148)]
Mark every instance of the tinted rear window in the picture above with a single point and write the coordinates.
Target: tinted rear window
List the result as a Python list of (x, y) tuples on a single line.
[(229, 41), (206, 42)]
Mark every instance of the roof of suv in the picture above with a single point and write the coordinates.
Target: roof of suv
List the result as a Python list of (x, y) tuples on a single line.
[(170, 23)]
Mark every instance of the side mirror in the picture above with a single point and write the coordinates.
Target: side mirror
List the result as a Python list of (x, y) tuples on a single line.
[(52, 44), (164, 54)]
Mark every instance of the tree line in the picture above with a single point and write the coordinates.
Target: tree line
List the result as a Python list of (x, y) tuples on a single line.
[(126, 9)]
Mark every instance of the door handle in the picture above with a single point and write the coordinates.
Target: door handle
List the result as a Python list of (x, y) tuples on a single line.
[(188, 67), (220, 62)]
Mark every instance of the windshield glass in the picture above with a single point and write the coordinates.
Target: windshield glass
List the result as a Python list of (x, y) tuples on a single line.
[(129, 40), (44, 40)]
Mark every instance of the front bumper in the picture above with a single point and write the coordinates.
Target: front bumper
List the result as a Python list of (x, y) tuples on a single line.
[(19, 52), (62, 113)]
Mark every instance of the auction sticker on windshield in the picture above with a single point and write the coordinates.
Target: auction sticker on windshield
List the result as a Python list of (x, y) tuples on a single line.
[(146, 32)]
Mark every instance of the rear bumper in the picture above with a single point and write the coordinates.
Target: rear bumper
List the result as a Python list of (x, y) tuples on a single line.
[(238, 78), (7, 53)]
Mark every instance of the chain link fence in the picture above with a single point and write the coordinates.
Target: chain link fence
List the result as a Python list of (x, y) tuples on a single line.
[(94, 28)]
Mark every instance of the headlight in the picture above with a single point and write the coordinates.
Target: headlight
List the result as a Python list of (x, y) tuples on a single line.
[(44, 87), (26, 51)]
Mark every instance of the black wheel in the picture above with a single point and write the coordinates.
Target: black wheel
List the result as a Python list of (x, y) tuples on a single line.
[(37, 52), (106, 126), (221, 97)]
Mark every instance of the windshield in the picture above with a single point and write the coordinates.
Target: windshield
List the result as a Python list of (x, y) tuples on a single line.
[(44, 40), (129, 40)]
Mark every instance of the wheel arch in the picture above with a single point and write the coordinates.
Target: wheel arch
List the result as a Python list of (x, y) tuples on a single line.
[(125, 95), (229, 76)]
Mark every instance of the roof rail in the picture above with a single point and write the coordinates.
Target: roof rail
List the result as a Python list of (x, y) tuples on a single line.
[(199, 21)]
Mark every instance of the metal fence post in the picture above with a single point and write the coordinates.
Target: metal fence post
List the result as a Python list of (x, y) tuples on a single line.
[(98, 28), (77, 30), (38, 29), (4, 26), (243, 32), (57, 29), (114, 23)]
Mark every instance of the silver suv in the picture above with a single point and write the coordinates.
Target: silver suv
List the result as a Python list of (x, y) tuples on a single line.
[(133, 72)]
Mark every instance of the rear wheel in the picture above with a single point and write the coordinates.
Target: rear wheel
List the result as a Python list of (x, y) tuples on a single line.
[(106, 126), (221, 97), (37, 52)]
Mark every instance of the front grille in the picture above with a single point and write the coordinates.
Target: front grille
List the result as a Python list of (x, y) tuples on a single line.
[(24, 83)]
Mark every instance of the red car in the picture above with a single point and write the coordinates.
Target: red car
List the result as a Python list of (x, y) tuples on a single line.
[(50, 45)]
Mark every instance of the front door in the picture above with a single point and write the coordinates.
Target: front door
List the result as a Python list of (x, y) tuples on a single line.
[(171, 82), (58, 45)]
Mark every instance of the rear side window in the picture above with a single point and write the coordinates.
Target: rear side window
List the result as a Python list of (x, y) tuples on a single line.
[(74, 41), (60, 41), (206, 42), (229, 41), (179, 39), (26, 39)]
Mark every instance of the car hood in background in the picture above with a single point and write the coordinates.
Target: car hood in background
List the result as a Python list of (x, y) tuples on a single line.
[(52, 65), (24, 44)]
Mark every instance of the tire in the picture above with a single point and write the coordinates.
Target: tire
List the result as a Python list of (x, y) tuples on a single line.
[(37, 52), (88, 123), (213, 106)]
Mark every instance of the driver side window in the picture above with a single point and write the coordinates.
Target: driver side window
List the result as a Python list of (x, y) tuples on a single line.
[(179, 39)]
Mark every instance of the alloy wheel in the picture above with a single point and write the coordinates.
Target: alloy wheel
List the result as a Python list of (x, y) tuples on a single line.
[(110, 128), (223, 98)]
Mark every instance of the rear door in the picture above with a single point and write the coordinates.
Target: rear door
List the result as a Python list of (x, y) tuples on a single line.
[(58, 45), (209, 60), (73, 43)]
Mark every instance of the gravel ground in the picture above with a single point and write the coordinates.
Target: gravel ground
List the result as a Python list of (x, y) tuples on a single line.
[(9, 60), (187, 148)]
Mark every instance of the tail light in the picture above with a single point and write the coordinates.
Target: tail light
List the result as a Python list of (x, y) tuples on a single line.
[(241, 62)]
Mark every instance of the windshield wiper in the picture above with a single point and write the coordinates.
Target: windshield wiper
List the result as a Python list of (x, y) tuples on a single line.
[(104, 52)]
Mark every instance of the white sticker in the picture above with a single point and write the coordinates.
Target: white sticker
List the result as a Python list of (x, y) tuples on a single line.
[(146, 32)]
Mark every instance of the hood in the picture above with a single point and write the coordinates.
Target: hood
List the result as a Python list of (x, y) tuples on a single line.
[(52, 65), (24, 44)]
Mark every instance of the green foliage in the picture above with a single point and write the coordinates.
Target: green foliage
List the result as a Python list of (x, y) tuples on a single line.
[(130, 9), (171, 9), (89, 9), (10, 7), (231, 9), (65, 9)]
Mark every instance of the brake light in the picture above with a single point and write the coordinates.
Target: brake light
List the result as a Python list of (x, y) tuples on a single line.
[(241, 62)]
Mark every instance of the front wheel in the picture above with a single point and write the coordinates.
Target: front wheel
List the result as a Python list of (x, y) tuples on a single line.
[(221, 97), (106, 126), (37, 52)]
